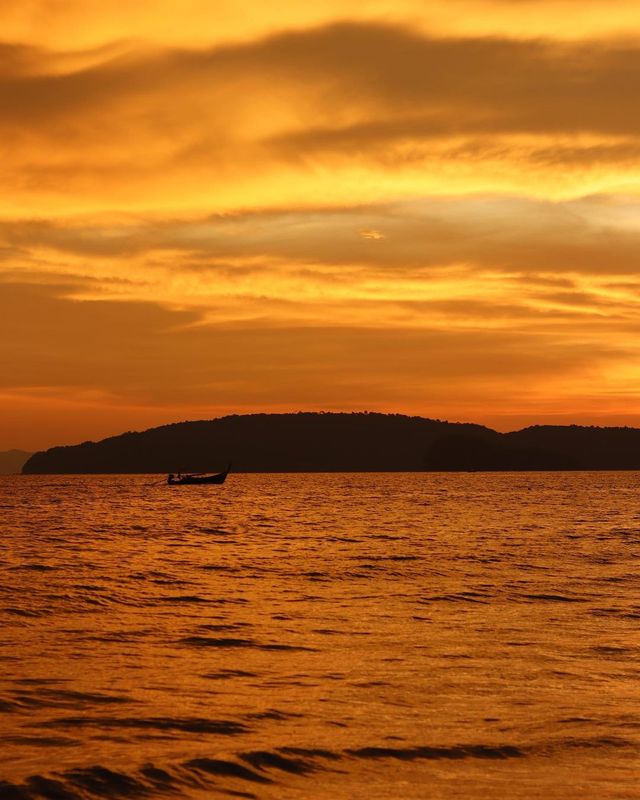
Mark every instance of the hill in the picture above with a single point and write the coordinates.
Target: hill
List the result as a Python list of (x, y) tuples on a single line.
[(581, 447), (358, 442), (12, 461), (303, 442)]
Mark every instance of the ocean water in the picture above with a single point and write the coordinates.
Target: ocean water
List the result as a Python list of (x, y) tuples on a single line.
[(321, 636)]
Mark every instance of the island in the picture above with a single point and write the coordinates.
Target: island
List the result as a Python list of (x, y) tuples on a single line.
[(343, 442)]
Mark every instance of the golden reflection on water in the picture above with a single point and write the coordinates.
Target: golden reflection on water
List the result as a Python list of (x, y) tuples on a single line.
[(320, 636)]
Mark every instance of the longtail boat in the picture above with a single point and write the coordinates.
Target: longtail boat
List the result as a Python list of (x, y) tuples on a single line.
[(198, 478)]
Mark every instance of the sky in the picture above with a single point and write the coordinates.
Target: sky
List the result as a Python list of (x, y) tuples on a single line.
[(415, 206)]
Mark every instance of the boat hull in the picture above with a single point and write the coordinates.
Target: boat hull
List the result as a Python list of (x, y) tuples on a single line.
[(197, 480)]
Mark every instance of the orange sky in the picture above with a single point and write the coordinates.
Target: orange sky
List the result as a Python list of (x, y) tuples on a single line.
[(401, 205)]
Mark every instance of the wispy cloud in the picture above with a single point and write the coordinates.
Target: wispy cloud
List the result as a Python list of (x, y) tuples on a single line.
[(133, 126)]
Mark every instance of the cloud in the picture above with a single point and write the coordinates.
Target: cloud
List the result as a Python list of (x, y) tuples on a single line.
[(122, 125), (127, 350), (505, 234), (81, 24), (503, 85)]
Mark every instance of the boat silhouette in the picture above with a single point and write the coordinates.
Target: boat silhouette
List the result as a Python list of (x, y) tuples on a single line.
[(198, 478)]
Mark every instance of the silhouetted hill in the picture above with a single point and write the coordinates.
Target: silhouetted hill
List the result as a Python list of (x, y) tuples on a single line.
[(583, 447), (262, 443), (358, 442), (12, 461), (464, 452)]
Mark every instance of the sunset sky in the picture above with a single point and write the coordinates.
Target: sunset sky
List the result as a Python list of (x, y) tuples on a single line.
[(214, 207)]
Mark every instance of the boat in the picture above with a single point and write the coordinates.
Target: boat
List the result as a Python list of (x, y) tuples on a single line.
[(198, 478)]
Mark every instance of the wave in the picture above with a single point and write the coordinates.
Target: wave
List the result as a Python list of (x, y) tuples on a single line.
[(24, 612), (460, 597), (263, 759), (226, 674), (45, 697), (33, 567), (415, 753), (224, 642), (184, 724), (183, 598), (257, 767), (555, 598), (40, 741)]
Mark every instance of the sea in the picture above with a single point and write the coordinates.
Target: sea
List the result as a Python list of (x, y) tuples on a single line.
[(461, 636)]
